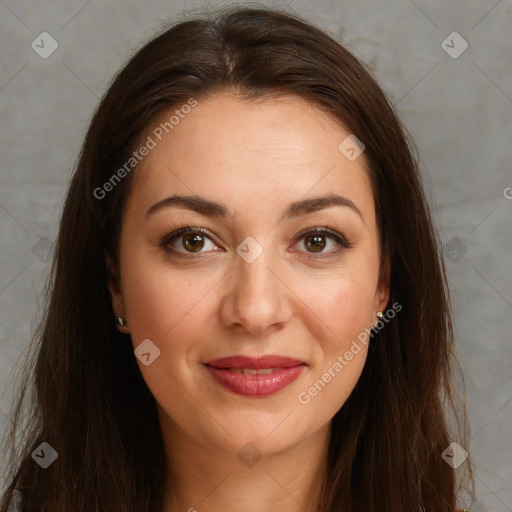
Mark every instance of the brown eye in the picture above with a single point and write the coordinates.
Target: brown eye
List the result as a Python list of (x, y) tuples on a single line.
[(315, 243), (323, 241), (187, 241), (192, 242)]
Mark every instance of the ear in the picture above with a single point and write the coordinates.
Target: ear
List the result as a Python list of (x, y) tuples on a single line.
[(116, 294), (383, 287)]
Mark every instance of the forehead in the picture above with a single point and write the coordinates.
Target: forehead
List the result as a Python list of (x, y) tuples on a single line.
[(250, 154)]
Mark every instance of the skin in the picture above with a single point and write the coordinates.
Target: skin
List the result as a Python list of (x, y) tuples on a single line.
[(255, 158)]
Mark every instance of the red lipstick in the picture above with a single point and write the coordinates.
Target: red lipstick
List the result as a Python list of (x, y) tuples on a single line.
[(249, 376)]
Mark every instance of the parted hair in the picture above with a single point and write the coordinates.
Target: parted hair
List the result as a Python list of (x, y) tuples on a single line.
[(81, 389)]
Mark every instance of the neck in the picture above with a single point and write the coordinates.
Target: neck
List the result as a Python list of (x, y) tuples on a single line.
[(207, 478)]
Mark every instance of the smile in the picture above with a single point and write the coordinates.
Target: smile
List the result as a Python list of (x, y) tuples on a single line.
[(251, 382), (255, 377)]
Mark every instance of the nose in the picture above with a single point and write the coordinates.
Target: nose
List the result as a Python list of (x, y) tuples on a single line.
[(257, 298)]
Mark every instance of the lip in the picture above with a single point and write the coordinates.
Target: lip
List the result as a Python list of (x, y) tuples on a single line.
[(227, 371), (270, 361)]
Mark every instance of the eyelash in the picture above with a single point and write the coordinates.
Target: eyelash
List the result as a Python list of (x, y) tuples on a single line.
[(185, 229)]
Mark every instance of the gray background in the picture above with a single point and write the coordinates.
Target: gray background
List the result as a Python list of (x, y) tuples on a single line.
[(459, 111)]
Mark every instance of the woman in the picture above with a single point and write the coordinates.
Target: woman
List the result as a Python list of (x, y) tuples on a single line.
[(248, 308)]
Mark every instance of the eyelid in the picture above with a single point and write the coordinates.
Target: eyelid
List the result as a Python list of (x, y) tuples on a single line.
[(181, 230), (184, 229), (325, 231)]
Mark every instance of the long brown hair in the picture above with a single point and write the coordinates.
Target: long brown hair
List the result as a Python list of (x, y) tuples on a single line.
[(86, 396)]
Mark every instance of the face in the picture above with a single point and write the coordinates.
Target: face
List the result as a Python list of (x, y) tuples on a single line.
[(256, 281)]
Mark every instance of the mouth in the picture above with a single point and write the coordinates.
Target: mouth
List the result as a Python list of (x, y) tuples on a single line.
[(255, 377)]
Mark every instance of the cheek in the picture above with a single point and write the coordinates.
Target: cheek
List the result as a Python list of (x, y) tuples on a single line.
[(161, 302), (340, 305), (167, 307), (348, 310), (165, 314), (341, 308)]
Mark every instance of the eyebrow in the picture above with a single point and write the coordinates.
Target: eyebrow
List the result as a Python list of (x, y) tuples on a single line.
[(213, 209)]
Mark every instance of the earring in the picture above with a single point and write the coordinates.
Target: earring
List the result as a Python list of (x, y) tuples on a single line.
[(379, 316), (121, 321)]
